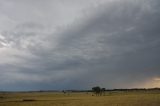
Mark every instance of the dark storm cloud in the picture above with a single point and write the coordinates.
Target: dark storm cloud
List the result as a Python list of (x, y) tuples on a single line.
[(115, 45), (122, 42)]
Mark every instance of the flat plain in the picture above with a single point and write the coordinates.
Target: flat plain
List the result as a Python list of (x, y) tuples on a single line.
[(116, 98)]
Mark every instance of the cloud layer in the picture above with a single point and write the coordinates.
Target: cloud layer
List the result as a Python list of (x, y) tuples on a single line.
[(78, 44)]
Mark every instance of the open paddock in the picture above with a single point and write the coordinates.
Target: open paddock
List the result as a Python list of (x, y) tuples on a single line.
[(111, 98)]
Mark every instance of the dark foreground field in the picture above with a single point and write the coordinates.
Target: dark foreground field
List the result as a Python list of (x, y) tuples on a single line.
[(136, 98)]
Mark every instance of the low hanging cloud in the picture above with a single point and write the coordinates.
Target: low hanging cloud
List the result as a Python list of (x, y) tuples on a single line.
[(114, 44)]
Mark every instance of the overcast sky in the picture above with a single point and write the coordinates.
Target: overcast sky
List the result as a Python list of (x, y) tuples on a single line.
[(78, 44)]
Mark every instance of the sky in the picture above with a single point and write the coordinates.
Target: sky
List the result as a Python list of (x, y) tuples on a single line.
[(78, 44)]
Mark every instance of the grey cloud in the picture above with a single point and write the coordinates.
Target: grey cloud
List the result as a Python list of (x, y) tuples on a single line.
[(133, 49), (116, 46)]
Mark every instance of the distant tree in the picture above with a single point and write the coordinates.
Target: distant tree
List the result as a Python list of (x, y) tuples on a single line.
[(64, 91), (103, 90), (97, 90)]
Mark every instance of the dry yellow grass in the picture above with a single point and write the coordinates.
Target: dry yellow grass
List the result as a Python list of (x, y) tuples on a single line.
[(80, 99)]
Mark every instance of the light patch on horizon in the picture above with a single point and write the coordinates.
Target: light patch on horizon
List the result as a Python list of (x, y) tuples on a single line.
[(157, 79), (152, 83)]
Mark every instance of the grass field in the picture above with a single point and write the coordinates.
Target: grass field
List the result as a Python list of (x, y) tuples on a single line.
[(80, 99)]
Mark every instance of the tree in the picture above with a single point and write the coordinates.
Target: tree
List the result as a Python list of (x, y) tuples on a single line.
[(97, 90), (103, 90)]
